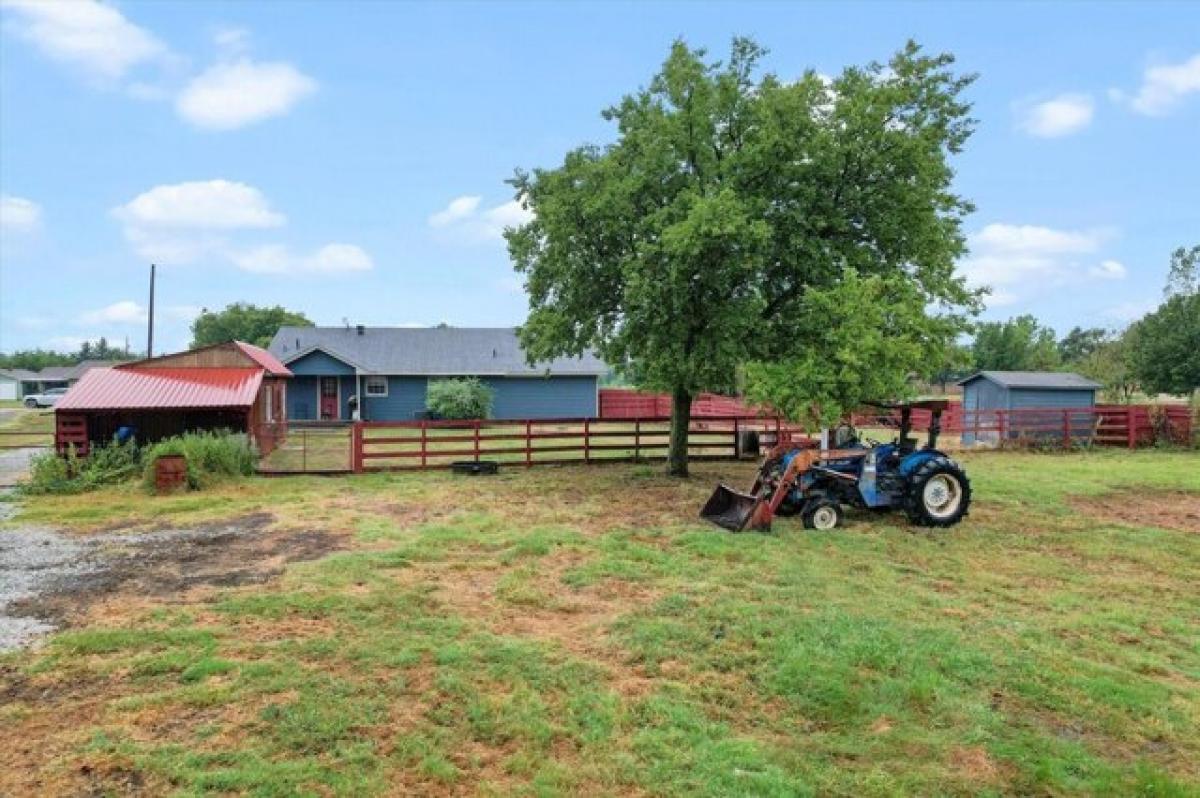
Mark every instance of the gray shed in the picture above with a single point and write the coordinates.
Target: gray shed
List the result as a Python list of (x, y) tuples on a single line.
[(988, 391)]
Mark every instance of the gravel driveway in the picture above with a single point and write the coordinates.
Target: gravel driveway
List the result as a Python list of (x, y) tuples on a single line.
[(49, 578)]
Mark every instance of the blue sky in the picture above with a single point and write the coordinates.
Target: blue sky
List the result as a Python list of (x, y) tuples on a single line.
[(348, 160)]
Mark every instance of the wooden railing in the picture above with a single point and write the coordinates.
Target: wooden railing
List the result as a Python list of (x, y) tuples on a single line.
[(1101, 425), (382, 445)]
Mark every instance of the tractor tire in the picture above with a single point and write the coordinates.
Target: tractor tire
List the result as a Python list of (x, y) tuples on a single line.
[(939, 494), (822, 513)]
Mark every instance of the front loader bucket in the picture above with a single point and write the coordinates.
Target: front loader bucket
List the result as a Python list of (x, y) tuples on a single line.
[(729, 509)]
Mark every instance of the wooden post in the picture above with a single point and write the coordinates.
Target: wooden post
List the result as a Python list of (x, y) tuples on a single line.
[(737, 441), (528, 443), (304, 450), (1000, 427), (1066, 429), (1131, 426), (356, 448), (587, 441), (637, 440), (424, 439), (477, 423)]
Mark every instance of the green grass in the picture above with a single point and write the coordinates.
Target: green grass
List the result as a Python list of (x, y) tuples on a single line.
[(567, 631), (27, 427)]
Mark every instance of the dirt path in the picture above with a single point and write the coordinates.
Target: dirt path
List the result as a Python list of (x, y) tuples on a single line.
[(49, 578), (14, 463)]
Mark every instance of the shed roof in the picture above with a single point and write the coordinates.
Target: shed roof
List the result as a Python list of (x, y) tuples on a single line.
[(249, 354), (1047, 380), (163, 389), (428, 351)]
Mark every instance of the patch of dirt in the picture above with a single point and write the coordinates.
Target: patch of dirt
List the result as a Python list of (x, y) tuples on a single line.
[(1166, 509), (974, 764), (60, 578)]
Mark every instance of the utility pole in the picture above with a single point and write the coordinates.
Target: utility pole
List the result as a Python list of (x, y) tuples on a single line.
[(150, 318)]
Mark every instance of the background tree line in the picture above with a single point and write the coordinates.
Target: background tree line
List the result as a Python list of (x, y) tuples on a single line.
[(1159, 353)]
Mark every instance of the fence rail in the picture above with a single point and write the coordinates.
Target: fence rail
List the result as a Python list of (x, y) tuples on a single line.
[(1101, 425), (437, 444)]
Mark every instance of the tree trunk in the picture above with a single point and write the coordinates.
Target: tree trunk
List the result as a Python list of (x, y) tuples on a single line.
[(681, 417)]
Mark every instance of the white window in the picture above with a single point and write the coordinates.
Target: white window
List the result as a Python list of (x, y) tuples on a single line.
[(376, 386)]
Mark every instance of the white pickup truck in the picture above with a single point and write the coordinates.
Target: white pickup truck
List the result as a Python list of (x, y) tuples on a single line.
[(44, 399)]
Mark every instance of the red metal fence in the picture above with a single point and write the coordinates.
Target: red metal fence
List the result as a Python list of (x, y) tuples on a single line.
[(437, 444)]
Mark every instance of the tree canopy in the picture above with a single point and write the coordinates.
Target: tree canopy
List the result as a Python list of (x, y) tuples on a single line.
[(1019, 344), (1165, 345), (796, 230), (242, 321)]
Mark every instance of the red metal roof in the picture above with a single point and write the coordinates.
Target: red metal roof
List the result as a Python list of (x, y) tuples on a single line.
[(163, 389), (263, 358)]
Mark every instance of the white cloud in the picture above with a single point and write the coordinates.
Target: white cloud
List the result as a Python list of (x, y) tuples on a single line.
[(1014, 259), (1056, 117), (86, 34), (1109, 270), (19, 215), (460, 208), (124, 312), (182, 222), (206, 204), (465, 221), (186, 222), (1163, 87), (234, 94), (278, 259)]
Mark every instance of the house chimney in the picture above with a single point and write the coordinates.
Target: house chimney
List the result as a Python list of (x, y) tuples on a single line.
[(361, 329)]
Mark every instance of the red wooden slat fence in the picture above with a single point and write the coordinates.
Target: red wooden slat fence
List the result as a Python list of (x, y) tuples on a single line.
[(630, 404), (1104, 425)]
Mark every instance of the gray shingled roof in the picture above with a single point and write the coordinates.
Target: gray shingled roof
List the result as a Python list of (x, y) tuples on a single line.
[(427, 350), (1034, 379)]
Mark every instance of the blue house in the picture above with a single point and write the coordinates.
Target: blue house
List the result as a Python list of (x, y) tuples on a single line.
[(390, 368), (988, 391)]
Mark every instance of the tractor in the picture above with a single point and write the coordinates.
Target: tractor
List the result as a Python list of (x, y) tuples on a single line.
[(816, 483)]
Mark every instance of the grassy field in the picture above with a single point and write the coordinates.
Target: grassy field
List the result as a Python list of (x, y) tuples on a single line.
[(577, 631), (25, 427)]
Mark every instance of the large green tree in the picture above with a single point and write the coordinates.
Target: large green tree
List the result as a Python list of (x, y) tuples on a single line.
[(1019, 344), (1080, 343), (792, 230), (1165, 345), (242, 321)]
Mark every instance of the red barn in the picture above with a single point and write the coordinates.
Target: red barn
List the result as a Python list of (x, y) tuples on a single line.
[(235, 386)]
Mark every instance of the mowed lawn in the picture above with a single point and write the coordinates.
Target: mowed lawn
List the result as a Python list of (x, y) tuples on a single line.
[(577, 631)]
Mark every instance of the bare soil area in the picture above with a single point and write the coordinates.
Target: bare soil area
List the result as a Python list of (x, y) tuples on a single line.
[(48, 579), (1179, 510)]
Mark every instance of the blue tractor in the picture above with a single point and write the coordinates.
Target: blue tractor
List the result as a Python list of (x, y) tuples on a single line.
[(816, 484)]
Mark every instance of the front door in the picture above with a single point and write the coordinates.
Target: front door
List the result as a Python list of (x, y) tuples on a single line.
[(329, 399)]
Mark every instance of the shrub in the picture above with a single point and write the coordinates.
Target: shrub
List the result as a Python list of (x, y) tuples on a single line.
[(210, 456), (459, 398), (106, 465)]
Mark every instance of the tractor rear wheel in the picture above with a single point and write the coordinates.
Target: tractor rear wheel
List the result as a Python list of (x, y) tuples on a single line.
[(822, 513), (939, 493)]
